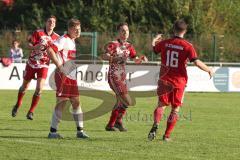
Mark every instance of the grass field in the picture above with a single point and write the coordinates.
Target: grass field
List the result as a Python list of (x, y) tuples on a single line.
[(209, 129)]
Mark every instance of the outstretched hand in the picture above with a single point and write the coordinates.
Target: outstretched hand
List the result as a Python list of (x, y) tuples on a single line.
[(140, 59), (144, 58), (211, 73), (156, 39)]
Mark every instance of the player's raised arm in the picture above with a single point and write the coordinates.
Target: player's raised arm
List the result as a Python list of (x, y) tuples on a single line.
[(156, 39), (204, 67), (135, 58), (156, 48)]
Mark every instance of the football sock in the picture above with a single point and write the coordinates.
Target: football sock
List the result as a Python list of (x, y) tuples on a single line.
[(20, 97), (35, 100), (121, 112), (79, 129), (171, 122), (158, 113), (56, 117), (53, 130), (78, 118), (113, 117)]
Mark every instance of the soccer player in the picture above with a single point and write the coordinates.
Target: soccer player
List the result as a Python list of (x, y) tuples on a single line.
[(117, 52), (62, 52), (37, 63), (175, 52)]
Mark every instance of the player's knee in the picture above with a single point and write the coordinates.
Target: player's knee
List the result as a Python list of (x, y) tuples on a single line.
[(132, 102), (175, 109), (22, 89), (128, 101), (38, 92), (75, 104), (163, 107)]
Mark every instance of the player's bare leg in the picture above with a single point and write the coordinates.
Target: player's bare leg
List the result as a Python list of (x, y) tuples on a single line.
[(36, 97), (158, 113), (171, 122), (125, 99), (78, 117), (56, 118), (21, 93)]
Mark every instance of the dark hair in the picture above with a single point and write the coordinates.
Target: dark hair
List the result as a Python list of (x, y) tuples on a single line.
[(121, 24), (51, 16), (73, 22), (180, 26), (15, 40)]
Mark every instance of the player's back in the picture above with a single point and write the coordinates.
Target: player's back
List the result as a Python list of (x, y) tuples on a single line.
[(175, 53)]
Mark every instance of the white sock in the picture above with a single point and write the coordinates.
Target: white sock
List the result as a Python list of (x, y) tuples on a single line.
[(56, 118), (78, 117)]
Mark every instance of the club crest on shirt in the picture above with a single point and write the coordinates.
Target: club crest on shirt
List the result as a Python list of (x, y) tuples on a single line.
[(122, 51)]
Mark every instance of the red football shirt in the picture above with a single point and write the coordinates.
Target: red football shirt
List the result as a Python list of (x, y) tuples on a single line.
[(175, 53), (118, 49), (40, 59)]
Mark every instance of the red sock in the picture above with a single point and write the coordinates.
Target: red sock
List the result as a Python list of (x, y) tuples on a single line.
[(158, 113), (113, 117), (20, 98), (122, 112), (35, 100), (171, 122)]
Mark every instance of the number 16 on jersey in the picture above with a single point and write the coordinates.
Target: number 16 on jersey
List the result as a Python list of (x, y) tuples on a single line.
[(172, 59)]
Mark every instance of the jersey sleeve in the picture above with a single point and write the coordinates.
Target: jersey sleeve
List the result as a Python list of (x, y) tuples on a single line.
[(11, 53), (21, 52), (132, 52), (192, 55), (34, 38), (157, 48), (58, 44), (110, 48)]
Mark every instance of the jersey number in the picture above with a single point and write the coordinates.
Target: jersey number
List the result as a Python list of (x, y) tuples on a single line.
[(172, 59)]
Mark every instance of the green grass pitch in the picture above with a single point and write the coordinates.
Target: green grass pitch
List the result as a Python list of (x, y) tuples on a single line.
[(209, 129)]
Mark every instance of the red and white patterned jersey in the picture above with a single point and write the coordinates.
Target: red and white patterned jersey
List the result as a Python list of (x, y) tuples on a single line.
[(175, 53), (40, 59), (65, 49), (119, 49)]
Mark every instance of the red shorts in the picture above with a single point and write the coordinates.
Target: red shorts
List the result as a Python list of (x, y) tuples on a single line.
[(119, 87), (31, 72), (66, 87), (170, 95)]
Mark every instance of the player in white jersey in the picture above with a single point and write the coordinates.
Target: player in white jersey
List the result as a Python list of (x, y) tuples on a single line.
[(37, 64), (62, 52)]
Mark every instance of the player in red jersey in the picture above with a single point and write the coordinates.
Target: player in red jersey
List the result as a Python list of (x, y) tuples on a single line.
[(117, 52), (62, 52), (37, 63), (175, 52)]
